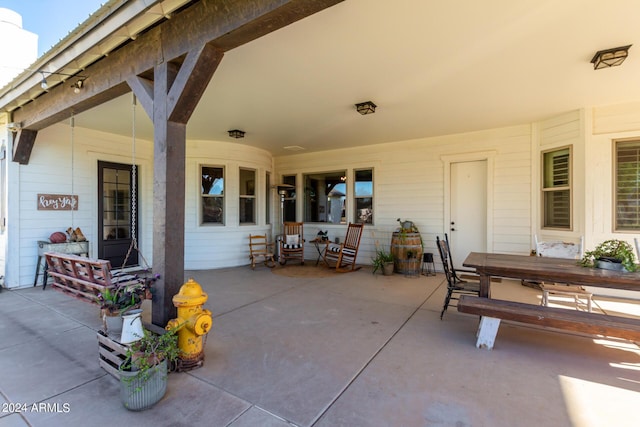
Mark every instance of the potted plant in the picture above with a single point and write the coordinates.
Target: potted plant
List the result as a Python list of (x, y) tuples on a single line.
[(406, 226), (115, 301), (407, 247), (383, 261), (143, 374), (612, 255)]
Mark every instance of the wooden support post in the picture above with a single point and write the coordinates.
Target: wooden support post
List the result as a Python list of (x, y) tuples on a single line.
[(485, 286), (183, 53), (487, 332), (168, 217), (168, 197), (170, 98)]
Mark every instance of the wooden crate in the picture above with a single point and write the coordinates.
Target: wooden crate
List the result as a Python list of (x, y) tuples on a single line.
[(110, 354)]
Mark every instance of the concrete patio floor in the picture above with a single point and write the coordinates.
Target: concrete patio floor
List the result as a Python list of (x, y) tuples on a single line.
[(347, 350)]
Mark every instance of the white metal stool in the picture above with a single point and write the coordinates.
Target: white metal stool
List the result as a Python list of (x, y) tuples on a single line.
[(576, 292)]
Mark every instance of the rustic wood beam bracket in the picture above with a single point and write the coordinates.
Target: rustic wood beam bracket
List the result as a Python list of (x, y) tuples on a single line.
[(23, 143), (143, 90), (225, 24), (191, 81)]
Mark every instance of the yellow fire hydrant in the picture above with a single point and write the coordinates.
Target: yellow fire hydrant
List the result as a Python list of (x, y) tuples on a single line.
[(192, 323)]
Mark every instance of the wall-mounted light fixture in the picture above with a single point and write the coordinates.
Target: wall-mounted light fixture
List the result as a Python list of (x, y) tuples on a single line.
[(14, 126), (236, 133), (44, 85), (77, 86), (610, 57), (366, 107)]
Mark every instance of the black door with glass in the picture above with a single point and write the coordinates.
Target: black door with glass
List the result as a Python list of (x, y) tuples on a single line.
[(115, 217)]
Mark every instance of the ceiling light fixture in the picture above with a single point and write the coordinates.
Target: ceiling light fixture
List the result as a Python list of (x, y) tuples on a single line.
[(366, 107), (610, 57), (236, 133), (293, 148)]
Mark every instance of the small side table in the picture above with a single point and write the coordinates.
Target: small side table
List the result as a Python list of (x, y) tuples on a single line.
[(321, 246), (75, 248)]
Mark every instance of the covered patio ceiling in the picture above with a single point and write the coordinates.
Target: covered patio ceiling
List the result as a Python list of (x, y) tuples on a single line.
[(433, 68)]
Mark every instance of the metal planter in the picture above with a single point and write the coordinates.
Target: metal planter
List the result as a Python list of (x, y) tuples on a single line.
[(142, 392)]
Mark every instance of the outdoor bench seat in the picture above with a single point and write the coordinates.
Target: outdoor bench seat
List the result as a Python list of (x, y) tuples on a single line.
[(492, 310), (83, 277)]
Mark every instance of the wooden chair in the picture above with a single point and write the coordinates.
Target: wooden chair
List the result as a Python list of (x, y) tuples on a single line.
[(261, 249), (344, 254), (467, 272), (291, 243), (455, 285), (562, 250)]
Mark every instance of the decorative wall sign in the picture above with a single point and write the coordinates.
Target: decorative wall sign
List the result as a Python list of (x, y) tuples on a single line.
[(57, 202)]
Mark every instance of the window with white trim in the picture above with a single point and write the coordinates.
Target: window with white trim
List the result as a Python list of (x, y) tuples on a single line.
[(325, 195), (247, 196), (3, 195), (363, 196), (627, 186), (212, 194), (288, 198), (556, 188), (267, 198)]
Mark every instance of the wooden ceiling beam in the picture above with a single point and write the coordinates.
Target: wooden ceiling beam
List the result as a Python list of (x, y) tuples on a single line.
[(220, 24)]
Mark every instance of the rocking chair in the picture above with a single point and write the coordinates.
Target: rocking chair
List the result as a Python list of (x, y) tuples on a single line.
[(260, 249), (344, 254), (291, 243)]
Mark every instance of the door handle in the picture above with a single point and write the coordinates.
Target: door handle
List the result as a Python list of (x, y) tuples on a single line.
[(453, 223)]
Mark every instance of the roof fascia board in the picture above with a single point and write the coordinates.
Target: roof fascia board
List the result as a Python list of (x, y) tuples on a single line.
[(72, 54)]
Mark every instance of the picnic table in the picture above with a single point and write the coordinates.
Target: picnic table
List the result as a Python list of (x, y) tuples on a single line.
[(542, 269)]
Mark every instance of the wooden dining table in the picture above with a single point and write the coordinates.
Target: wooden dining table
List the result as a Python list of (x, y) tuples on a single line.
[(544, 269)]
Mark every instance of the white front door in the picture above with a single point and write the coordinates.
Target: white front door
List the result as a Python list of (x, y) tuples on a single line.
[(468, 211)]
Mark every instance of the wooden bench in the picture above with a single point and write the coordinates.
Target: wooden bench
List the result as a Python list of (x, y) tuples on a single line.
[(492, 310), (83, 277)]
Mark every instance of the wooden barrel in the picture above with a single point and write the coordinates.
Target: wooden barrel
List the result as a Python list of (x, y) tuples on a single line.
[(406, 249)]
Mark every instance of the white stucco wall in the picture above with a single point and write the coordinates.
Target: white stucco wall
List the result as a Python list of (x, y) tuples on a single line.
[(54, 168), (64, 164), (609, 123), (409, 183), (563, 130), (214, 245)]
